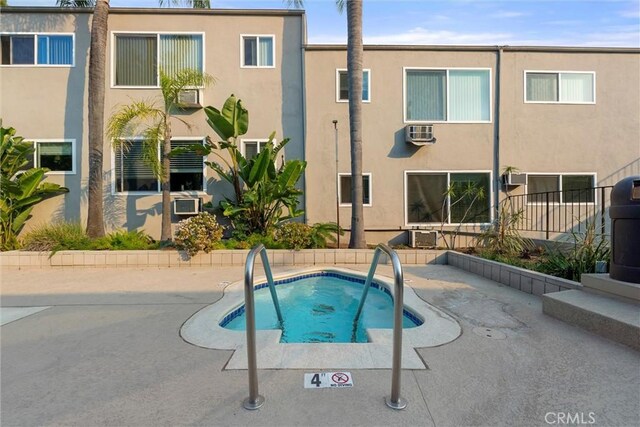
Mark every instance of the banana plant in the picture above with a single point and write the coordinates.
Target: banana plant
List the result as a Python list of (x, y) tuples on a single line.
[(229, 123), (21, 187), (271, 195)]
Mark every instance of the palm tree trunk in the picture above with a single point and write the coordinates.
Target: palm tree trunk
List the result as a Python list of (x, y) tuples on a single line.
[(354, 70), (97, 59), (165, 234)]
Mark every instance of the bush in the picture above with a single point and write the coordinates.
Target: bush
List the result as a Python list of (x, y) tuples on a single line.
[(123, 240), (57, 237), (294, 235), (323, 232), (198, 233), (582, 259)]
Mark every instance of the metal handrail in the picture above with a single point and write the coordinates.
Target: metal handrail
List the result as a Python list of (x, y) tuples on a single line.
[(255, 400), (394, 401)]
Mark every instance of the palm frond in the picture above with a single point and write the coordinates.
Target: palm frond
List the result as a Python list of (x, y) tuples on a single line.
[(126, 121), (150, 150), (298, 4), (195, 4), (76, 3)]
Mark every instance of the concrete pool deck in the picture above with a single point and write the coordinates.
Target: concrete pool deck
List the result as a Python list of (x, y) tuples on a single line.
[(107, 352)]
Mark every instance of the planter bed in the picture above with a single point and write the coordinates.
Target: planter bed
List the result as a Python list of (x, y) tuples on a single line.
[(522, 279)]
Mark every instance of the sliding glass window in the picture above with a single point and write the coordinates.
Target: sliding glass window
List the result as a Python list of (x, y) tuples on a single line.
[(139, 58), (447, 197), (455, 95), (37, 49), (560, 87)]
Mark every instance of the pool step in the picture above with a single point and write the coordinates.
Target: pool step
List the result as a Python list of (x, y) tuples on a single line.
[(612, 317)]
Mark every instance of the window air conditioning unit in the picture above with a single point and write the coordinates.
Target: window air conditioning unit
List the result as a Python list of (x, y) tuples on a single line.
[(424, 238), (514, 178), (186, 206), (419, 134), (189, 98)]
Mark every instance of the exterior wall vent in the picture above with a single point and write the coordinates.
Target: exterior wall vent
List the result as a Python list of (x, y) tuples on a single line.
[(424, 239), (189, 98), (419, 134), (186, 206)]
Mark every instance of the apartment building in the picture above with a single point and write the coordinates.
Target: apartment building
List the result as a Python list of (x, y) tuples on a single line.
[(433, 116), (566, 118), (255, 54)]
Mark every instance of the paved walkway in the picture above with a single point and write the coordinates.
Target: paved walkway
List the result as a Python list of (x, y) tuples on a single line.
[(107, 352)]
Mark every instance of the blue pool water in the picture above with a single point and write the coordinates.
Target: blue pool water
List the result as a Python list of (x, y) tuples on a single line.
[(320, 307)]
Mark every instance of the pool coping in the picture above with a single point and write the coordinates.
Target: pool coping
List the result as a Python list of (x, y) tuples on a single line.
[(203, 330)]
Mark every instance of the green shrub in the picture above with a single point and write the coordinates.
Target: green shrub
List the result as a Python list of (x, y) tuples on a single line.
[(294, 235), (588, 249), (57, 237), (324, 232), (126, 241), (198, 233)]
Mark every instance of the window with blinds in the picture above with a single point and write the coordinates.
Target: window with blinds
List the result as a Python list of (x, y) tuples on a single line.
[(449, 95), (186, 171), (560, 87), (133, 173), (140, 57), (37, 49)]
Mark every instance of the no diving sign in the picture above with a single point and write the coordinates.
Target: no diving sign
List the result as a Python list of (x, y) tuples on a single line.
[(328, 379)]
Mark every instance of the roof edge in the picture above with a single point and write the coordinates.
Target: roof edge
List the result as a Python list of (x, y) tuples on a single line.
[(471, 48), (158, 11)]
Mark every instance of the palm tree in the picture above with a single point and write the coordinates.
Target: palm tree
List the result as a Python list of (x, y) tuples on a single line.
[(354, 76), (153, 123), (97, 61)]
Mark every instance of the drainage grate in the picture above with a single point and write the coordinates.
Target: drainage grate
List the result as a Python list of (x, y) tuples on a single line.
[(490, 333)]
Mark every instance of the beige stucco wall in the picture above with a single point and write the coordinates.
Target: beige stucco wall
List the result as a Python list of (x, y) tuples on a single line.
[(603, 138), (386, 155), (51, 102)]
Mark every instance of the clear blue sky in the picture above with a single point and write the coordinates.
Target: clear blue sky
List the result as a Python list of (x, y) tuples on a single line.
[(473, 22)]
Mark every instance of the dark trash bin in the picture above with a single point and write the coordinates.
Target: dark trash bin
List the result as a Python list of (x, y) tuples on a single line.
[(625, 230)]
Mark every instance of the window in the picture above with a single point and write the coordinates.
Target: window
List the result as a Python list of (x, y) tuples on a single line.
[(251, 149), (560, 87), (450, 95), (345, 189), (55, 155), (428, 201), (343, 86), (140, 57), (37, 49), (186, 170), (561, 188), (257, 51), (133, 174)]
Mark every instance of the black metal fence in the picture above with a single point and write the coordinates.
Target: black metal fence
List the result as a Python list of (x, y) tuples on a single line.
[(561, 211)]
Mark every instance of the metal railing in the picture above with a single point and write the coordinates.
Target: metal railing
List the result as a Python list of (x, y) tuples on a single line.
[(255, 400), (394, 401), (563, 211)]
